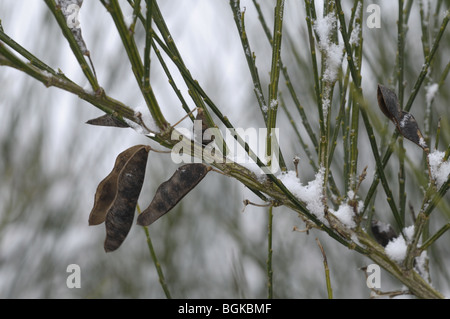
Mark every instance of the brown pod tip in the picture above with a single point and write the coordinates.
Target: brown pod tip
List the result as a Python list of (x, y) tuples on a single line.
[(107, 120)]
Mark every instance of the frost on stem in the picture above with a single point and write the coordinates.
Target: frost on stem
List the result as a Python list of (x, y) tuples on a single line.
[(273, 104), (332, 52), (354, 36)]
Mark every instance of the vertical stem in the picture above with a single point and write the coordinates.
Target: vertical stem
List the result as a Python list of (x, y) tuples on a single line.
[(269, 256), (136, 63), (400, 67), (354, 126), (162, 280), (310, 16), (327, 270), (148, 45), (274, 77)]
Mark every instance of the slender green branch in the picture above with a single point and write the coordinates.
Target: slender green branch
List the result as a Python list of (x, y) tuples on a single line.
[(275, 71), (148, 41), (269, 255), (136, 63), (162, 280), (428, 61), (136, 11), (401, 87), (408, 105), (249, 56), (359, 99), (327, 270), (175, 56), (59, 80), (435, 237), (310, 17), (74, 45)]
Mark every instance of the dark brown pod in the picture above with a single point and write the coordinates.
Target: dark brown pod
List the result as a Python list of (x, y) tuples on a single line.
[(119, 217), (107, 120), (408, 127), (388, 102), (172, 191), (107, 189), (382, 232), (404, 121)]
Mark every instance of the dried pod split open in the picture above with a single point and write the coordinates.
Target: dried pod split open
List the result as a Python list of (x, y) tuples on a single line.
[(172, 191), (404, 121), (117, 195)]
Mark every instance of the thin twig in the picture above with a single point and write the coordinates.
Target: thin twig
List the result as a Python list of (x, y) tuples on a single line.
[(327, 270)]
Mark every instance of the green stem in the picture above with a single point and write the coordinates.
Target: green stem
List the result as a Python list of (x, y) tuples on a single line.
[(359, 99), (148, 43), (435, 237), (274, 78), (310, 17), (408, 105), (136, 63), (327, 271), (249, 56), (269, 255), (79, 54), (400, 72), (162, 280)]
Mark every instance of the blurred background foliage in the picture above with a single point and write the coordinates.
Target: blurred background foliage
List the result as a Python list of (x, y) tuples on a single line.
[(208, 247)]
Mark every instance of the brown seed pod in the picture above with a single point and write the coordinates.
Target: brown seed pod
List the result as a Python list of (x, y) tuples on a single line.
[(404, 121), (388, 103), (107, 189), (107, 120), (120, 214), (408, 127), (172, 191)]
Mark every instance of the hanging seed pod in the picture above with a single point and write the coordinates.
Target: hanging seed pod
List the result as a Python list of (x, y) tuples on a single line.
[(107, 189), (172, 191), (408, 127), (388, 103), (404, 121), (120, 214), (107, 120), (382, 232)]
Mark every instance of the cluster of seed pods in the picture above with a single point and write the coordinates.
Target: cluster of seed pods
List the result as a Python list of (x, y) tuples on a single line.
[(117, 194)]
